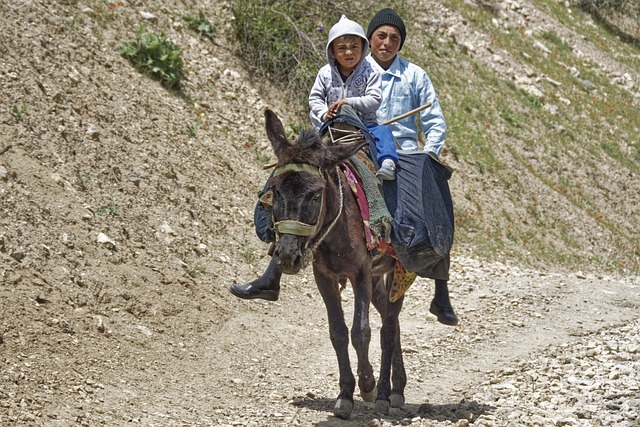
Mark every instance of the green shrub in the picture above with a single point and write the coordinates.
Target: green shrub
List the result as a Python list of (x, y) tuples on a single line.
[(620, 17), (200, 24), (155, 55), (630, 8), (284, 41)]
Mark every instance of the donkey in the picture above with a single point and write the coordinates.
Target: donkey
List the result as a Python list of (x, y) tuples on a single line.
[(317, 220)]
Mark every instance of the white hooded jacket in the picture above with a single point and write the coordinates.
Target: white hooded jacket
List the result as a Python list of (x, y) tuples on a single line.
[(361, 89)]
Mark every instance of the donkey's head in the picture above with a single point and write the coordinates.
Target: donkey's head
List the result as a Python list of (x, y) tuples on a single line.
[(300, 196)]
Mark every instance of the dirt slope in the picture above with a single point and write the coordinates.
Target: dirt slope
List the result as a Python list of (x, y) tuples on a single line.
[(120, 232)]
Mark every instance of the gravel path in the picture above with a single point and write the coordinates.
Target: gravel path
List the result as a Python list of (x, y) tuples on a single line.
[(533, 349)]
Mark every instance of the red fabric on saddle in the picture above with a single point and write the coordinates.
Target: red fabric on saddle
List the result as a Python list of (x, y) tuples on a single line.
[(373, 240), (402, 279)]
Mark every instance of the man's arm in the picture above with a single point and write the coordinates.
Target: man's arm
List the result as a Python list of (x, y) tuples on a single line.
[(434, 126)]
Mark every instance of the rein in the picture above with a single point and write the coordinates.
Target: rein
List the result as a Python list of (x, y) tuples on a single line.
[(298, 228)]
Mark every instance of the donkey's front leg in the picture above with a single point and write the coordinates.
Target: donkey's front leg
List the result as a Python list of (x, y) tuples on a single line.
[(361, 335), (339, 335)]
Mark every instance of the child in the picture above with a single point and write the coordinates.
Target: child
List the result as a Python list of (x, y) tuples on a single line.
[(348, 79)]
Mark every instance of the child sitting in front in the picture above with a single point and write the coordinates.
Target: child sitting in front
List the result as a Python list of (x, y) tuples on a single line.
[(348, 79)]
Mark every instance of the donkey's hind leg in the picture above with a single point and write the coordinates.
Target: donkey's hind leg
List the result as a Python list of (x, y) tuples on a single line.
[(391, 365), (398, 373)]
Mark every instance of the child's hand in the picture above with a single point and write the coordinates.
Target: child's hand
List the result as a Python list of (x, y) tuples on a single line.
[(334, 108)]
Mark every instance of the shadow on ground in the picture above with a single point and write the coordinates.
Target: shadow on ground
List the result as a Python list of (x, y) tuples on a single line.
[(364, 412)]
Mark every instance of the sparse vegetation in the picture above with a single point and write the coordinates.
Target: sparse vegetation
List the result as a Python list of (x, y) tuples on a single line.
[(110, 209), (194, 270), (18, 111), (155, 55), (284, 41), (192, 129), (200, 24), (83, 181), (246, 249), (557, 41), (620, 17), (261, 156)]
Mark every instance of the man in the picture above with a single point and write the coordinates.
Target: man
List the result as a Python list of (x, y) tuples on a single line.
[(405, 86)]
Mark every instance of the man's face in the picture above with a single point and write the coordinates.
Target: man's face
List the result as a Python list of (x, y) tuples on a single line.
[(347, 50), (385, 44)]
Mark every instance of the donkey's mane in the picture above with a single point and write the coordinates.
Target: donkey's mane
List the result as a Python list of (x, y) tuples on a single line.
[(307, 148), (309, 138)]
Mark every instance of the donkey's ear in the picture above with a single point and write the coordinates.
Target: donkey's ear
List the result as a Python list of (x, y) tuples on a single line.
[(275, 130), (337, 153)]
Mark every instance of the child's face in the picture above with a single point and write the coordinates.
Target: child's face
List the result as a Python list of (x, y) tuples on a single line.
[(347, 50)]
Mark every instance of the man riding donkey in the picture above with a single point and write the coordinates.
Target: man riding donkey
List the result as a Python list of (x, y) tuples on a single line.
[(405, 87)]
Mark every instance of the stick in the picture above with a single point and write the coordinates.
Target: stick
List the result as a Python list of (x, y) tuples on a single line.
[(407, 114)]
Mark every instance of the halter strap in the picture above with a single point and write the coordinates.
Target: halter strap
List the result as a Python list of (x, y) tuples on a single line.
[(290, 226), (298, 228)]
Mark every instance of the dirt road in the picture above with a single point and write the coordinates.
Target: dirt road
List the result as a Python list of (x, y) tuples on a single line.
[(271, 364)]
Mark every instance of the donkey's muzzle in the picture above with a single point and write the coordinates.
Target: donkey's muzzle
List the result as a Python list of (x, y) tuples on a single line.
[(290, 254)]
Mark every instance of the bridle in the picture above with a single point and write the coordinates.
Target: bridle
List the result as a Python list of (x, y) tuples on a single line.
[(298, 228)]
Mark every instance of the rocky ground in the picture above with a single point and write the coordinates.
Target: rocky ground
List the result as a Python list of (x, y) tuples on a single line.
[(533, 348), (120, 232)]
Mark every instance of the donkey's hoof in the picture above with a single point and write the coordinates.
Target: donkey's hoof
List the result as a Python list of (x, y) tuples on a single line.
[(343, 409), (382, 407), (369, 396), (397, 400)]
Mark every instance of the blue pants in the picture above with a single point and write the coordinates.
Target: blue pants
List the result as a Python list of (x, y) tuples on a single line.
[(385, 143)]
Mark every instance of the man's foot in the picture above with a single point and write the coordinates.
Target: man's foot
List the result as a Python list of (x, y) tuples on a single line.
[(445, 314), (250, 291), (266, 286)]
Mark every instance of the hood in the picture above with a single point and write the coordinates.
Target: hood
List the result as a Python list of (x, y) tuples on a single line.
[(344, 27)]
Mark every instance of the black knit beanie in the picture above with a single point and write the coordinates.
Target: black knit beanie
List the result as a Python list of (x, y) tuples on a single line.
[(387, 16)]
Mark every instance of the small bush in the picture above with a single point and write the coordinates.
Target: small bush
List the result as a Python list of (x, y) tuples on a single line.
[(200, 24), (284, 41), (155, 55), (620, 17), (630, 8)]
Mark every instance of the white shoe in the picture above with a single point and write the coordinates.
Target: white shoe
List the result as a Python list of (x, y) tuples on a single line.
[(387, 171)]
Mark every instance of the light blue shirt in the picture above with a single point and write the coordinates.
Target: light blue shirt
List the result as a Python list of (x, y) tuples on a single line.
[(406, 86)]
